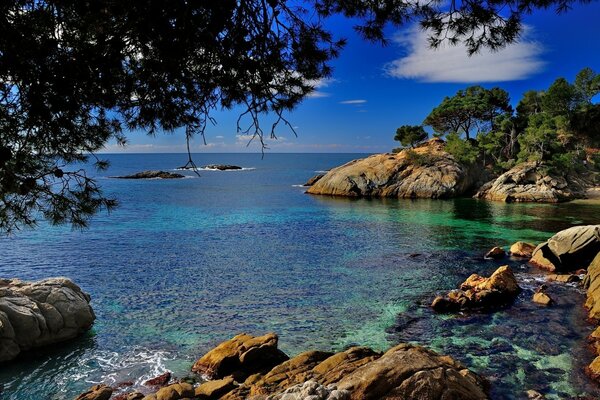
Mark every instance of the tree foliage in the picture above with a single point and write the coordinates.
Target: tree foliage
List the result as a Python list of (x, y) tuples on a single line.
[(74, 75), (410, 135), (474, 108)]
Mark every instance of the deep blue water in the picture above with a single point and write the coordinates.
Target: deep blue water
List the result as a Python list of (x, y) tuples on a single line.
[(184, 264)]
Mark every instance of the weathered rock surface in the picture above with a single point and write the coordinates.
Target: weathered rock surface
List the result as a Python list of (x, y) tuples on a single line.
[(592, 284), (425, 172), (403, 372), (97, 392), (36, 314), (242, 356), (314, 180), (311, 390), (522, 249), (152, 175), (530, 182), (215, 389), (478, 292), (413, 372), (568, 250), (222, 167)]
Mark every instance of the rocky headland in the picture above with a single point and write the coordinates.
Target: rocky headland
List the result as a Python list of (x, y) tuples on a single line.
[(37, 314), (429, 171)]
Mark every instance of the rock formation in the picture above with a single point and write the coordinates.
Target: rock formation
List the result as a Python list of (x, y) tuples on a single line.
[(531, 182), (152, 175), (314, 180), (481, 293), (425, 172), (242, 356), (222, 167), (522, 249), (568, 250), (36, 314)]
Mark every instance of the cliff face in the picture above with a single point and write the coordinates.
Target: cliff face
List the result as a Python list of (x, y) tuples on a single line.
[(425, 172)]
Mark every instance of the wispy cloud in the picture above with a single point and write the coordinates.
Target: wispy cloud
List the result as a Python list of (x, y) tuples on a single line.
[(452, 64), (320, 84), (357, 101), (220, 137)]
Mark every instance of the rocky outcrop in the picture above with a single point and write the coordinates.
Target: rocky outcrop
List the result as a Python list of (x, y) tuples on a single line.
[(568, 250), (405, 371), (242, 356), (36, 314), (531, 182), (522, 249), (152, 175), (314, 180), (222, 167), (479, 293), (413, 372), (425, 172)]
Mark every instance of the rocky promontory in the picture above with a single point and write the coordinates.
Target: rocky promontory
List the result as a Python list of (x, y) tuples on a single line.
[(37, 314), (427, 171)]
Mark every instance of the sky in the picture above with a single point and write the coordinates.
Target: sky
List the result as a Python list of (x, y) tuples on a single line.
[(374, 89)]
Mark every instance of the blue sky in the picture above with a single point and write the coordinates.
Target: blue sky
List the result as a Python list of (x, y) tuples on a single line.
[(375, 89)]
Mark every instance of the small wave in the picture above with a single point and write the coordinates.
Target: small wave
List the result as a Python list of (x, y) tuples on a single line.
[(298, 186), (322, 171)]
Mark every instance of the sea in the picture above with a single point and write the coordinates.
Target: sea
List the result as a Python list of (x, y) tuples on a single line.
[(184, 264)]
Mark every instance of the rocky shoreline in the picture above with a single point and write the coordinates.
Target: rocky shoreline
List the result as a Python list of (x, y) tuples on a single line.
[(429, 171), (249, 367)]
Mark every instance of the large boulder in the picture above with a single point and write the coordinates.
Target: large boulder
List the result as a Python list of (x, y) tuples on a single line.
[(413, 372), (531, 182), (425, 172), (36, 314), (568, 250), (481, 293), (241, 356), (522, 249)]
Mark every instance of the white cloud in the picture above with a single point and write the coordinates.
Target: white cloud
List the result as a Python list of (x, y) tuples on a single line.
[(320, 84), (357, 101), (452, 63)]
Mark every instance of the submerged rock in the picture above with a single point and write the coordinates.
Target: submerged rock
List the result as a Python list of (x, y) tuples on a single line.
[(568, 250), (37, 314), (522, 249), (222, 167), (425, 172), (482, 293), (531, 182), (160, 380), (542, 298), (242, 356), (152, 175), (314, 180), (496, 253)]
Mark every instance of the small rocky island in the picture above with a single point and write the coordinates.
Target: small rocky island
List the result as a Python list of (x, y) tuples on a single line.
[(222, 167), (152, 175)]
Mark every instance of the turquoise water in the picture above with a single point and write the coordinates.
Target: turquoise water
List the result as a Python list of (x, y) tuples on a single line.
[(184, 264)]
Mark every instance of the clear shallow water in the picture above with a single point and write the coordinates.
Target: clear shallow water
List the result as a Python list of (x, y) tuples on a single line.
[(184, 264)]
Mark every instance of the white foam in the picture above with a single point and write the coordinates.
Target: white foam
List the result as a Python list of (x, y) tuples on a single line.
[(215, 170)]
